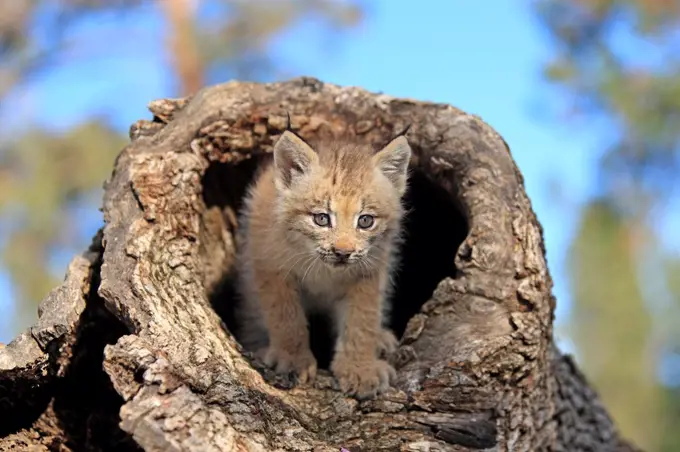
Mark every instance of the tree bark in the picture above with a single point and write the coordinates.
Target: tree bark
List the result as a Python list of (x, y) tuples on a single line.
[(133, 350)]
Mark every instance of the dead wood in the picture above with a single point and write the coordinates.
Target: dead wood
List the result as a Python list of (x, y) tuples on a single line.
[(133, 350)]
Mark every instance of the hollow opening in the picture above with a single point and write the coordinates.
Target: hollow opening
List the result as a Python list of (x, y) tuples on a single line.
[(85, 404), (434, 229)]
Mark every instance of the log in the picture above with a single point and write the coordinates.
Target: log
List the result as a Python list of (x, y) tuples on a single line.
[(134, 352)]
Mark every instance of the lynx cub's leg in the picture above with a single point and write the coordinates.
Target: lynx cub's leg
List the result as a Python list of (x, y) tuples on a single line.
[(288, 349), (387, 342), (356, 365)]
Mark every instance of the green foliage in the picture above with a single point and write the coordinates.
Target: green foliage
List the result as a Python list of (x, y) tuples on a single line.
[(671, 442), (637, 91), (47, 177), (611, 324)]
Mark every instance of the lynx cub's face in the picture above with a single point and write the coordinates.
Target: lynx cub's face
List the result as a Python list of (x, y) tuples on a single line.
[(340, 201)]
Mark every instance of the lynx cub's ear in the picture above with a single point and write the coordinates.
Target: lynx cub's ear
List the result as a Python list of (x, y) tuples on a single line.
[(292, 159), (393, 161)]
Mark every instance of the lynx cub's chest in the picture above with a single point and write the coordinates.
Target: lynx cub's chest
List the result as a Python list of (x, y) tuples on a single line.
[(322, 290)]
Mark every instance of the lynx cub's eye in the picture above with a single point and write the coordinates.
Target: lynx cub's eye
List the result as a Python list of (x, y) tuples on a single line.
[(366, 221), (322, 219)]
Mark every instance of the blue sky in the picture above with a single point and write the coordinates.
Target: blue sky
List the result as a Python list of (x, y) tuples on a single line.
[(484, 57)]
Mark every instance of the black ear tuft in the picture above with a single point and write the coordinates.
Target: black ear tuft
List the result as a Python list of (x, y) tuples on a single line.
[(289, 128), (403, 132), (288, 123), (394, 137)]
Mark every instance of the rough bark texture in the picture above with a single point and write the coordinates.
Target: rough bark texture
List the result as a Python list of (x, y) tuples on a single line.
[(133, 351)]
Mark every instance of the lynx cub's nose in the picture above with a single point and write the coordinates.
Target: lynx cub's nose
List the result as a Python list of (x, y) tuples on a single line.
[(341, 254), (342, 249)]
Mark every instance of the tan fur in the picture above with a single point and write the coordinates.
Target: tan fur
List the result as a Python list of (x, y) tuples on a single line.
[(287, 267)]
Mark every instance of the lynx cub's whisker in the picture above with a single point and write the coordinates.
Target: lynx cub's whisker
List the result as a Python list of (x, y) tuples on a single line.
[(320, 230)]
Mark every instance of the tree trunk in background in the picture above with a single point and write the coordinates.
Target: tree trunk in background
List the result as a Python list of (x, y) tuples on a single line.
[(183, 46), (132, 351)]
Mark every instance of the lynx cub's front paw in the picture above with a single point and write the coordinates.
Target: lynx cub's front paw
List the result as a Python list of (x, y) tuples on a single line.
[(363, 379), (387, 342), (302, 363)]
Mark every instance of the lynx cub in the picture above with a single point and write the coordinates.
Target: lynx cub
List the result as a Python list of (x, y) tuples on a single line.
[(319, 232)]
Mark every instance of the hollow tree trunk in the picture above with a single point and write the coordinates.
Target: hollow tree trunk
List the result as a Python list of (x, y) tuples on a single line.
[(133, 350)]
